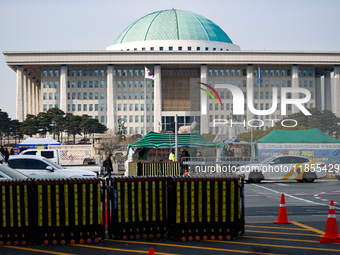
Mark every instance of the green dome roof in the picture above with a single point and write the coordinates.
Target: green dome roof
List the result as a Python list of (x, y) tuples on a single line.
[(173, 25)]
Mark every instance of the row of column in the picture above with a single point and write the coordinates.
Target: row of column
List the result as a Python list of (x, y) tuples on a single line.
[(27, 95)]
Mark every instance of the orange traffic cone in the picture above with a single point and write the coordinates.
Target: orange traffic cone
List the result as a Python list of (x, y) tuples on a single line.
[(151, 251), (105, 215), (185, 172), (331, 234), (282, 217)]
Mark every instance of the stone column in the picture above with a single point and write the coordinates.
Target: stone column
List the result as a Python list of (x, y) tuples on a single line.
[(34, 98), (327, 91), (38, 98), (110, 100), (318, 97), (20, 91), (25, 93), (295, 84), (336, 94), (204, 102), (63, 89), (158, 99), (250, 84), (29, 95)]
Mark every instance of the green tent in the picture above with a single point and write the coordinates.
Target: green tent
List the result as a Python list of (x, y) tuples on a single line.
[(297, 136), (158, 140)]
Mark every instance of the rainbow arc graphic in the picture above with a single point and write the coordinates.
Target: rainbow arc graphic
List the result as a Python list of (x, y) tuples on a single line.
[(209, 93)]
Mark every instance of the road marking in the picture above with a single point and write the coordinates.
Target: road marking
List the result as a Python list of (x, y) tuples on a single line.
[(278, 246), (303, 229), (193, 247), (280, 233), (308, 228), (35, 250), (298, 198), (282, 239), (117, 249)]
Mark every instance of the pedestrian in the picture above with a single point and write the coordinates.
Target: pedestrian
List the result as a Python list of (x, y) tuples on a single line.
[(172, 156), (2, 150), (6, 155), (12, 152), (183, 156), (108, 166), (199, 155)]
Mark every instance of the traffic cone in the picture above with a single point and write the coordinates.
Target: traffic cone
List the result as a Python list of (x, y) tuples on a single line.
[(331, 234), (151, 251), (185, 172), (282, 217)]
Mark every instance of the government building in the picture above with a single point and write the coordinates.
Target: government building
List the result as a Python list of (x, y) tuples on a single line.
[(189, 57)]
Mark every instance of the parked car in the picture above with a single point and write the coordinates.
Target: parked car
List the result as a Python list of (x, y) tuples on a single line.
[(119, 154), (69, 142), (7, 173), (337, 175), (84, 140), (41, 168), (285, 167)]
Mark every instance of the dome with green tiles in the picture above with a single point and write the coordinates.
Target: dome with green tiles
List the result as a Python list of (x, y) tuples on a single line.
[(173, 25), (170, 27)]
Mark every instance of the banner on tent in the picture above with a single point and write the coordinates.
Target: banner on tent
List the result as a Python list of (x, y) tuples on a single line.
[(298, 149)]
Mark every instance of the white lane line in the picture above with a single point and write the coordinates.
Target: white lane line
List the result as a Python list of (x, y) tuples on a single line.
[(305, 200)]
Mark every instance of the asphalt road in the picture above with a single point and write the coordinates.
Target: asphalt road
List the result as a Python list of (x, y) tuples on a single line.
[(307, 208)]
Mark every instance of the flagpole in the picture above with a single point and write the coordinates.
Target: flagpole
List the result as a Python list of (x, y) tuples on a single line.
[(144, 100)]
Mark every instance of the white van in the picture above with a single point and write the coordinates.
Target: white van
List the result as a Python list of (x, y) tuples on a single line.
[(50, 154)]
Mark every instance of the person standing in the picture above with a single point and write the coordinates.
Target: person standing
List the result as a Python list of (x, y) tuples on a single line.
[(172, 156), (6, 154), (108, 166)]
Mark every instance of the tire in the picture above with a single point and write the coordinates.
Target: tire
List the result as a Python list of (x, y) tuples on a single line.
[(300, 180), (249, 181), (257, 180), (309, 180)]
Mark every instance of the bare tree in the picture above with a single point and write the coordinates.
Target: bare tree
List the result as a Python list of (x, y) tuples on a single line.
[(111, 142)]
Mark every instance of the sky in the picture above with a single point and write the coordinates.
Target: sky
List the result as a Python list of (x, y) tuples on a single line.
[(46, 25)]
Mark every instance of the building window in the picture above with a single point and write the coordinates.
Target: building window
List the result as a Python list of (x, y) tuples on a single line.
[(85, 107), (73, 95), (91, 107), (90, 95), (45, 74), (238, 72), (272, 72), (90, 84), (232, 72), (189, 47), (266, 72), (50, 84), (119, 107), (102, 84), (79, 107), (102, 96), (131, 118), (136, 95), (179, 47), (56, 96), (50, 73), (79, 95), (283, 72), (170, 48), (305, 72), (311, 84), (125, 95), (161, 48), (96, 84), (310, 72), (45, 85), (96, 107), (85, 95), (136, 107), (102, 107)]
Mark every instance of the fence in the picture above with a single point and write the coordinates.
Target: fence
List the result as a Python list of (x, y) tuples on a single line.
[(181, 208), (154, 168), (77, 210), (51, 212)]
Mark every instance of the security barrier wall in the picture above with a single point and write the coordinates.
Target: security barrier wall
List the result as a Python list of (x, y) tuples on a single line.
[(51, 212), (154, 168), (79, 210), (206, 208), (182, 208), (138, 207)]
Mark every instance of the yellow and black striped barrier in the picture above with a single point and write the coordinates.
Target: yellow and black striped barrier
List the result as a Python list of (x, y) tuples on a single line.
[(206, 208), (51, 212), (154, 168), (15, 202), (139, 207), (181, 208)]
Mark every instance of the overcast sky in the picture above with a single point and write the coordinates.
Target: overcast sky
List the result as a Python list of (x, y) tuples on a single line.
[(45, 25)]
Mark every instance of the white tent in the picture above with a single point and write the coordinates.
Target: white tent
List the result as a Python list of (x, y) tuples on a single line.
[(32, 143)]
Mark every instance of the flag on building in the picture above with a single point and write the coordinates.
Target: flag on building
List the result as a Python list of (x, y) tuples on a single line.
[(148, 74), (259, 76)]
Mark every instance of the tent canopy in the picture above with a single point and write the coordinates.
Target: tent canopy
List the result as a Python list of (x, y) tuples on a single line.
[(33, 142), (297, 136), (158, 140)]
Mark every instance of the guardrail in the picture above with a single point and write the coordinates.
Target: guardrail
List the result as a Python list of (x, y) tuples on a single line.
[(75, 211)]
